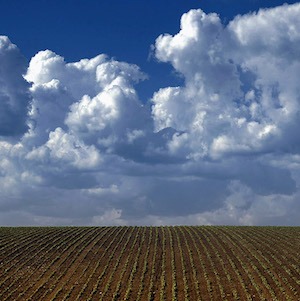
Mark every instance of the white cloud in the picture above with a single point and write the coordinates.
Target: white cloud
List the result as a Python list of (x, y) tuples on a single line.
[(269, 29), (109, 218), (46, 66), (64, 149), (93, 98), (241, 92)]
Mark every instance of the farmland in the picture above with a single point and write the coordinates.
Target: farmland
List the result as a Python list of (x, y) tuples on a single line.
[(150, 263)]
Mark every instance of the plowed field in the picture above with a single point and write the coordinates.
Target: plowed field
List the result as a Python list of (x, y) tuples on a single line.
[(150, 263)]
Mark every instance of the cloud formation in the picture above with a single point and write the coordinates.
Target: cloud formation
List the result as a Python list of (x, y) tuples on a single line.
[(14, 96), (78, 146), (241, 82)]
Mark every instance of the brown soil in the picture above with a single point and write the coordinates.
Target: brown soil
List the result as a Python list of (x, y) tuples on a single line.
[(210, 263)]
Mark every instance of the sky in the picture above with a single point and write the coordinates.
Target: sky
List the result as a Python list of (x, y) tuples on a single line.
[(149, 112)]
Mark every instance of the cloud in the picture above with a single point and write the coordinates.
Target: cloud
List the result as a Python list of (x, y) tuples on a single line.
[(78, 146), (65, 149), (236, 97), (93, 98), (14, 90), (115, 112)]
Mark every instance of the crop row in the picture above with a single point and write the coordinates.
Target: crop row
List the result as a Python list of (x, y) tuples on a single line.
[(150, 263)]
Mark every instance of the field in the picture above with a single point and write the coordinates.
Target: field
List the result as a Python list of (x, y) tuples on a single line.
[(150, 263)]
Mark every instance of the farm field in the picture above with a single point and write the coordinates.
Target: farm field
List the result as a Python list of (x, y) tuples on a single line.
[(150, 263)]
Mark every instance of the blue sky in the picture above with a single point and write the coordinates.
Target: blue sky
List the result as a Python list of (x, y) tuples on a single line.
[(182, 112)]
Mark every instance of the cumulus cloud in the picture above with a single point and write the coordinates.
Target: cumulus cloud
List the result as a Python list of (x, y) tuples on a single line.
[(14, 90), (241, 90), (65, 149), (114, 112), (78, 146)]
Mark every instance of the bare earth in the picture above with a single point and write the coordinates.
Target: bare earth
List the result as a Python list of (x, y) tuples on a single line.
[(150, 263)]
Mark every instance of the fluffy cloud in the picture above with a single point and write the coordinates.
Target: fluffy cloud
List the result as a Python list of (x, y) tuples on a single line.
[(65, 149), (89, 97), (241, 90), (114, 112), (78, 146)]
